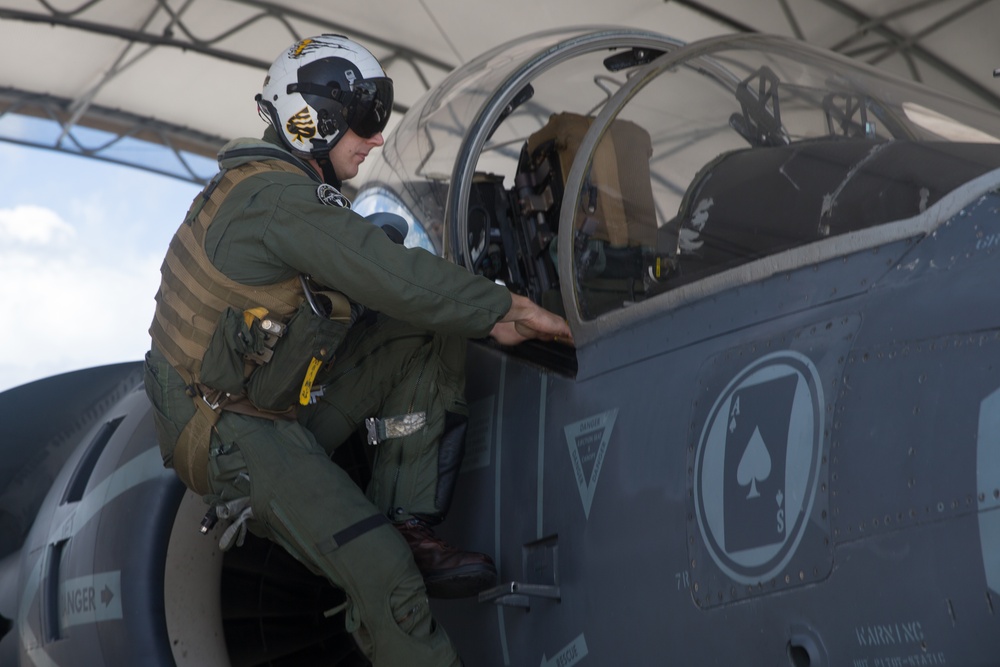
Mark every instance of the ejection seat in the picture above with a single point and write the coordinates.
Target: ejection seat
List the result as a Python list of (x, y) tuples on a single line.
[(750, 203), (615, 235)]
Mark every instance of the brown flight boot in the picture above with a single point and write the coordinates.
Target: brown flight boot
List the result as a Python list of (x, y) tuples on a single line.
[(447, 571)]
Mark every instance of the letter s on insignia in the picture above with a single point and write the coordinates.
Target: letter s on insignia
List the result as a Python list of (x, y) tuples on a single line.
[(329, 195)]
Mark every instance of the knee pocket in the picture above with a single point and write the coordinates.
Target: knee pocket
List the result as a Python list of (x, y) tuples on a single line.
[(404, 631), (410, 609), (407, 609), (394, 625)]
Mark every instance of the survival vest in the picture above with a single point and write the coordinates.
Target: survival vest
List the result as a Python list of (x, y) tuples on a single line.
[(200, 312), (193, 294)]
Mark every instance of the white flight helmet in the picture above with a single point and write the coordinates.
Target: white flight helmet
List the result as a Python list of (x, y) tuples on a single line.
[(321, 87)]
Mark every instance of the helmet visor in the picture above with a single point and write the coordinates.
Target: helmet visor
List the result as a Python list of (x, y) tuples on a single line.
[(368, 109)]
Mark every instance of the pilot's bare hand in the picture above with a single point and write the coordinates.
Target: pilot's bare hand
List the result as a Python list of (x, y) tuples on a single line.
[(529, 321), (506, 333)]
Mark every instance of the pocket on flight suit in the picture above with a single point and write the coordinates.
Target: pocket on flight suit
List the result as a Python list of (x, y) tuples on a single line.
[(224, 363), (450, 352), (308, 345), (228, 468), (172, 407)]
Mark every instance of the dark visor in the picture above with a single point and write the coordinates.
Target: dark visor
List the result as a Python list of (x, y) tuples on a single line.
[(369, 106), (366, 107)]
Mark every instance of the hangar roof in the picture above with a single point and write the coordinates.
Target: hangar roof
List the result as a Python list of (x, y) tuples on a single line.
[(158, 83)]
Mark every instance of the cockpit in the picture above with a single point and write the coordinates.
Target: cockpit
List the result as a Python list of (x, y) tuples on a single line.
[(608, 174)]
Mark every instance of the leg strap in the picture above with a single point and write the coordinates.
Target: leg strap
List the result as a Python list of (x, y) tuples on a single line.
[(353, 531), (191, 453)]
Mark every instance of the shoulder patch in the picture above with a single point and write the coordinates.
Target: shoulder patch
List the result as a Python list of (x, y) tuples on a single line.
[(331, 196)]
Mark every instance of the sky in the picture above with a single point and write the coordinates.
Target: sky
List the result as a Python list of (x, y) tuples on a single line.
[(81, 242)]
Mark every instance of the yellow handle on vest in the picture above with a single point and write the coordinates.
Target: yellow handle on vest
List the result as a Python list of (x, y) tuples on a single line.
[(252, 314), (307, 382)]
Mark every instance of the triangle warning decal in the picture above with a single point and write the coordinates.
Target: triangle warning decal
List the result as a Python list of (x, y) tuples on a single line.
[(588, 441)]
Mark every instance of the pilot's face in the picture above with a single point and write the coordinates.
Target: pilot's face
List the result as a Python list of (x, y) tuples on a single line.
[(348, 153)]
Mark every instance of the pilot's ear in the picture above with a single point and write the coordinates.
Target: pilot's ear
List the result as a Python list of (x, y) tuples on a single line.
[(393, 225)]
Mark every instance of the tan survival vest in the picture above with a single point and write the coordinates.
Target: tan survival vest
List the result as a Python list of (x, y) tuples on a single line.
[(193, 295)]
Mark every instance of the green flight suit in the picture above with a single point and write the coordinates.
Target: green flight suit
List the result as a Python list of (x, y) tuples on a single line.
[(409, 358)]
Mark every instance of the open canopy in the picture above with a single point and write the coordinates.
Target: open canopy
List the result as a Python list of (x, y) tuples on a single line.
[(609, 174)]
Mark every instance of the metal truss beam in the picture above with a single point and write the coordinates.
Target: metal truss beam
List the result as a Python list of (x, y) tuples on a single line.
[(175, 141), (891, 41), (110, 136)]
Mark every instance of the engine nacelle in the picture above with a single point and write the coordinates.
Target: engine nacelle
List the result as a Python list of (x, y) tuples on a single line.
[(115, 570)]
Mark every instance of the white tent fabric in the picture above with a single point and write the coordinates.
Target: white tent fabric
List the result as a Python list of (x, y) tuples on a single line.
[(182, 73)]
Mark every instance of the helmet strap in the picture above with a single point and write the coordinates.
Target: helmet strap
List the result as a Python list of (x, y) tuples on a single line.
[(329, 175)]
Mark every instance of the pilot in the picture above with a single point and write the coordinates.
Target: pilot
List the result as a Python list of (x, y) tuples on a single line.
[(285, 323)]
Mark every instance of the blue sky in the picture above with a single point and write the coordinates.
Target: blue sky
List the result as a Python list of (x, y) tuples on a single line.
[(81, 243)]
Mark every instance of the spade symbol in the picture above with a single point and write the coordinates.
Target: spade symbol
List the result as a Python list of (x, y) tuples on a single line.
[(755, 466), (755, 461)]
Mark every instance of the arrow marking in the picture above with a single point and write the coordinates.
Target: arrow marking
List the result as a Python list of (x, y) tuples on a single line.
[(571, 654)]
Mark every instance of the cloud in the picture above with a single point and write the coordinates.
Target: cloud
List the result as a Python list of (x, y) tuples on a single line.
[(32, 225), (80, 252), (68, 302)]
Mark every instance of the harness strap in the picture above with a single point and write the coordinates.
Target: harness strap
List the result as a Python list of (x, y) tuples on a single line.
[(184, 324), (191, 452)]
